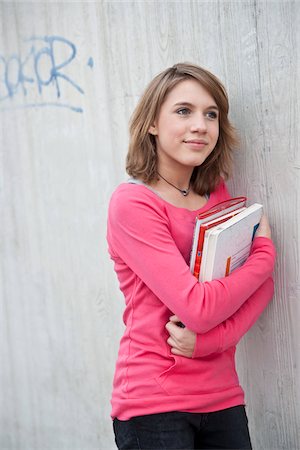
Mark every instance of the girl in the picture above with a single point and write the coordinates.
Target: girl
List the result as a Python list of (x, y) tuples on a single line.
[(174, 387)]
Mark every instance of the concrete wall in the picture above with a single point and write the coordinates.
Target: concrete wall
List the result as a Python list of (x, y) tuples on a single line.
[(70, 76)]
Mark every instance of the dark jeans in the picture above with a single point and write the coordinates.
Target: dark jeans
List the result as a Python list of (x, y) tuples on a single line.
[(226, 429)]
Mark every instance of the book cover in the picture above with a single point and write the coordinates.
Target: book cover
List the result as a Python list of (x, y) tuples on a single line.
[(202, 230), (216, 211), (227, 245)]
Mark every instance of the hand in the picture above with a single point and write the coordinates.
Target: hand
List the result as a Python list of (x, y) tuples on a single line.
[(182, 341), (264, 229)]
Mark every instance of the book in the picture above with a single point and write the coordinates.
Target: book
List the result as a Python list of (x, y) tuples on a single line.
[(218, 211), (227, 245)]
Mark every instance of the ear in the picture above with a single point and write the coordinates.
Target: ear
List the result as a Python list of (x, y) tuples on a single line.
[(152, 130)]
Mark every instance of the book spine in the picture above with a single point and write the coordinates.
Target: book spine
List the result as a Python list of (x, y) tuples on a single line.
[(199, 252), (194, 247)]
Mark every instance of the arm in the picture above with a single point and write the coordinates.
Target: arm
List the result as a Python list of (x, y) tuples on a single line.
[(139, 234), (187, 343)]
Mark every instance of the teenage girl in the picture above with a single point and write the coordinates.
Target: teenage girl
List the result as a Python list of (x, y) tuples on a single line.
[(174, 387)]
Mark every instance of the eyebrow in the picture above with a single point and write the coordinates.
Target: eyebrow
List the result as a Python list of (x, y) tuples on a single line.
[(191, 105)]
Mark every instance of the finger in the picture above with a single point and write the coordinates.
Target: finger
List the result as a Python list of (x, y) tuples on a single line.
[(172, 328), (177, 321), (186, 354), (176, 333), (172, 343), (174, 319), (175, 351), (264, 227)]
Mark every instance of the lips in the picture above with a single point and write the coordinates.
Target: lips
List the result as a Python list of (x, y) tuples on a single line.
[(195, 141)]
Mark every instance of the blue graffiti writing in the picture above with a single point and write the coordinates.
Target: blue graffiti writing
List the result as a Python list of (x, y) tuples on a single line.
[(39, 78), (90, 62)]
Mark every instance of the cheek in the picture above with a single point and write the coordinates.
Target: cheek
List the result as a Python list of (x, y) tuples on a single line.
[(169, 128), (179, 129), (216, 131), (174, 132)]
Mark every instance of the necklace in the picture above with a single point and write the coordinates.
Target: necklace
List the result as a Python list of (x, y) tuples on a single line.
[(184, 192)]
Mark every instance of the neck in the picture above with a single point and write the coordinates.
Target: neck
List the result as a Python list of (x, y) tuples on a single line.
[(181, 180), (184, 190)]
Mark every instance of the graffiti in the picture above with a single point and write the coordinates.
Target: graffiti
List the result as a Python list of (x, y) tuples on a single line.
[(40, 77)]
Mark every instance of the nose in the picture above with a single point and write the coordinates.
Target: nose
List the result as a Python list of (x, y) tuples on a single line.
[(199, 123)]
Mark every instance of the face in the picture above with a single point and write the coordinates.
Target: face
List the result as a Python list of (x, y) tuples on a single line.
[(187, 127)]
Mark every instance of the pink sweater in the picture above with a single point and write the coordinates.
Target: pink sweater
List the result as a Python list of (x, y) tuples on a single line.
[(150, 242)]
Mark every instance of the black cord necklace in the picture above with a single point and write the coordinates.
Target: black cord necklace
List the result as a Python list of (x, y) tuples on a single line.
[(184, 192)]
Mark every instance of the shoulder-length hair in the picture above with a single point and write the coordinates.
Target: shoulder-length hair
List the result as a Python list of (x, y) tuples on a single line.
[(141, 159)]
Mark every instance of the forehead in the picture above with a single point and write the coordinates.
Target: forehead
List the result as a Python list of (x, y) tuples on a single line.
[(189, 91)]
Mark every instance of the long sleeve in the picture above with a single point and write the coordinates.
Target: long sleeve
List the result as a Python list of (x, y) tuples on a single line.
[(230, 332), (140, 235)]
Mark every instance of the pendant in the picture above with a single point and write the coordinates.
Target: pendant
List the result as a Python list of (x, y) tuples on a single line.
[(185, 192)]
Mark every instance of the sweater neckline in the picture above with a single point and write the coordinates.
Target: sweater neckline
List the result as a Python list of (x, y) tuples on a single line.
[(157, 194)]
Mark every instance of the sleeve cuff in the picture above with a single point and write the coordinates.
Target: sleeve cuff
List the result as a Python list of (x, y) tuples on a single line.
[(262, 240), (207, 343)]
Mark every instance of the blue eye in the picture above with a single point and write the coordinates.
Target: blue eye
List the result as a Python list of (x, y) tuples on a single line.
[(212, 115), (183, 111)]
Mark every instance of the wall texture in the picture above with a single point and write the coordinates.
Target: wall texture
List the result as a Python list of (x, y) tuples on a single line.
[(70, 75)]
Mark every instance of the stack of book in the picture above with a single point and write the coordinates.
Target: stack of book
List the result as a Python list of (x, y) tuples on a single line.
[(222, 238)]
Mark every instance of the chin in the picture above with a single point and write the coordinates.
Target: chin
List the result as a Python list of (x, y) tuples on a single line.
[(195, 162)]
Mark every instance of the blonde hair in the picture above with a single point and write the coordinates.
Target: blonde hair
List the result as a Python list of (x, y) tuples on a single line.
[(141, 159)]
